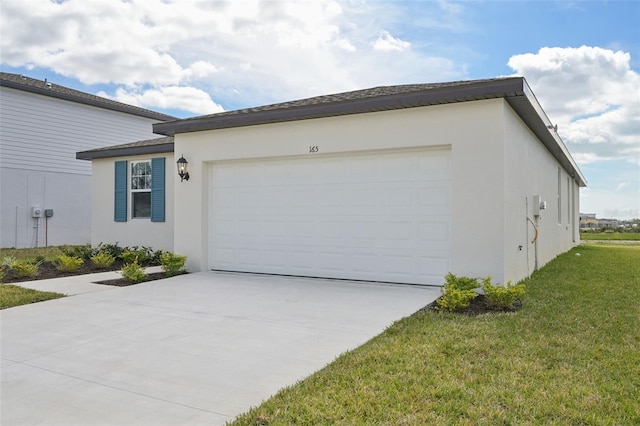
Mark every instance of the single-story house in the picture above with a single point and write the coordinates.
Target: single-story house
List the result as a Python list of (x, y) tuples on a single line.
[(393, 184)]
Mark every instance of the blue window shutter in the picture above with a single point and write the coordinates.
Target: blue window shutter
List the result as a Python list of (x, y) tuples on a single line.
[(157, 189), (120, 200)]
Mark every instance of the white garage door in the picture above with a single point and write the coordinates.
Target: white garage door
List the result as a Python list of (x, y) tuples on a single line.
[(377, 217)]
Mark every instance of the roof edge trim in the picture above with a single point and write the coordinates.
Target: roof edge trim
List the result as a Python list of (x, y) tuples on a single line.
[(122, 152)]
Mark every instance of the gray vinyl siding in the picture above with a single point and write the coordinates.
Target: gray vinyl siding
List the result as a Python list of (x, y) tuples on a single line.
[(43, 134), (39, 138)]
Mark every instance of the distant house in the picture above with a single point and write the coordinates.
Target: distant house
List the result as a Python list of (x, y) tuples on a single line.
[(608, 223), (45, 193), (386, 184), (588, 221)]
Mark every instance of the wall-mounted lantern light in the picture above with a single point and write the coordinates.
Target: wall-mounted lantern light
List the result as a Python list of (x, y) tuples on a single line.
[(182, 169)]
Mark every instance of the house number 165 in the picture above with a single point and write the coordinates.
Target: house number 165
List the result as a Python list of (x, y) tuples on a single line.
[(313, 149)]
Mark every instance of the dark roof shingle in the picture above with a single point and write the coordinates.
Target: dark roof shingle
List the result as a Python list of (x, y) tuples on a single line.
[(149, 146), (355, 102)]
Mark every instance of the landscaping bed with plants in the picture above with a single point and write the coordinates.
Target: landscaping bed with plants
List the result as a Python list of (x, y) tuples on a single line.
[(476, 296), (80, 260)]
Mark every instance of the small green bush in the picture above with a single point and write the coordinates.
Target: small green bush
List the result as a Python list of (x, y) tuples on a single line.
[(454, 299), (503, 297), (25, 269), (133, 273), (143, 254), (112, 248), (461, 283), (8, 261), (82, 252), (155, 257), (172, 264), (129, 257), (2, 273), (103, 259), (457, 293), (64, 263)]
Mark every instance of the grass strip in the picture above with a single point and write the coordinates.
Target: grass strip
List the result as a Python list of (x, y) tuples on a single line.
[(571, 355), (35, 253), (13, 295), (610, 236)]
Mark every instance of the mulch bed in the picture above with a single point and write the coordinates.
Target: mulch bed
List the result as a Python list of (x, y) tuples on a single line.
[(478, 306), (121, 282), (47, 270)]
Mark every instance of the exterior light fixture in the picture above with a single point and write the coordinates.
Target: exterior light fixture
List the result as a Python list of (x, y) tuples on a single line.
[(182, 169)]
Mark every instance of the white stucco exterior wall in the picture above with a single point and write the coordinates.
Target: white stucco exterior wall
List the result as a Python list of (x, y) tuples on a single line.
[(497, 165), (530, 169), (133, 232)]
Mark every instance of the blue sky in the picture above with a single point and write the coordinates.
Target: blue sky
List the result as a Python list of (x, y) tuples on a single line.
[(194, 57)]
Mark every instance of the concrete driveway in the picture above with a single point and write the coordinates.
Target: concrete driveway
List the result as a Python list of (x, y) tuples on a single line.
[(193, 349)]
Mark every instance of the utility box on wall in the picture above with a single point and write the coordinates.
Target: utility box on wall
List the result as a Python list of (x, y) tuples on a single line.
[(48, 213), (36, 211)]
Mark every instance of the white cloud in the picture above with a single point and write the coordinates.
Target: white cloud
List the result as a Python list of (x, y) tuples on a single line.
[(201, 69), (248, 53), (592, 94), (169, 97), (621, 186), (386, 42)]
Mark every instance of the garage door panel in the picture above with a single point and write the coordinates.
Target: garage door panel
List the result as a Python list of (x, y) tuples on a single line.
[(383, 217), (436, 232)]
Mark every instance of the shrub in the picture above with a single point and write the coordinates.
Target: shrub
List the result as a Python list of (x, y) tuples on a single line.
[(103, 259), (26, 269), (2, 268), (461, 283), (454, 299), (64, 263), (155, 257), (133, 273), (502, 297), (82, 252), (111, 248), (457, 293), (141, 255), (172, 264), (8, 261), (129, 257)]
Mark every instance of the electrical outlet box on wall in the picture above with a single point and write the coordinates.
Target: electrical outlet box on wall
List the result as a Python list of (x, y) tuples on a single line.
[(36, 211), (536, 205)]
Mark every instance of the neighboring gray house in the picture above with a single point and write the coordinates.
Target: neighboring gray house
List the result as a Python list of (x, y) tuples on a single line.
[(42, 126), (395, 184)]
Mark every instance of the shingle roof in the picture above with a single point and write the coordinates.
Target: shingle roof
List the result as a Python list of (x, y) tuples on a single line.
[(149, 146), (359, 101), (28, 84), (514, 90)]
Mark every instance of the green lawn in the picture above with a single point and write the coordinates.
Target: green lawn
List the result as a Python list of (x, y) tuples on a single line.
[(13, 295), (609, 236), (31, 253), (571, 355)]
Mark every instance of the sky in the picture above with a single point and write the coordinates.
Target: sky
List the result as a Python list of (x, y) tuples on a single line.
[(194, 57)]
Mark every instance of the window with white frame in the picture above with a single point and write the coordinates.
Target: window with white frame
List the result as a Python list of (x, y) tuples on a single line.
[(140, 187)]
